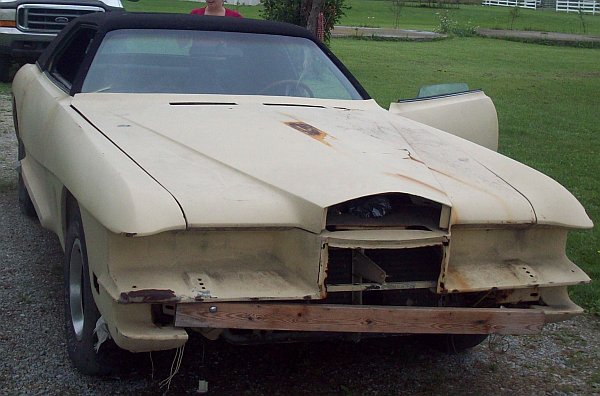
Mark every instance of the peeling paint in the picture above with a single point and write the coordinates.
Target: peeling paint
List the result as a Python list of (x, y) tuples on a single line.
[(308, 130)]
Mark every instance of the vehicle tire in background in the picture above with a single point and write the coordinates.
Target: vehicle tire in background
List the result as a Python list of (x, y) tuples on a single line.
[(453, 343), (81, 313)]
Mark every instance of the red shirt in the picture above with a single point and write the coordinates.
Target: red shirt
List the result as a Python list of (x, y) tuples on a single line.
[(228, 12)]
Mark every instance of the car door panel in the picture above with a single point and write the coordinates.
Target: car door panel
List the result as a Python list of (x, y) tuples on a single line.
[(470, 115)]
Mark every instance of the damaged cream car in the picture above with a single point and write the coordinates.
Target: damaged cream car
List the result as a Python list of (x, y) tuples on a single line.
[(230, 177)]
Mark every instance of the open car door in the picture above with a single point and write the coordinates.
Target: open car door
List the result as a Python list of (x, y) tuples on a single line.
[(469, 114)]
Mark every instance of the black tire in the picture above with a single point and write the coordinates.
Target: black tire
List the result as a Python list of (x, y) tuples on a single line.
[(5, 69), (453, 343), (25, 203), (81, 313)]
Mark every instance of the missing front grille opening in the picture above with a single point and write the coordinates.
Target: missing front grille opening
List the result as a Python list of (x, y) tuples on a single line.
[(385, 211), (407, 266), (400, 265)]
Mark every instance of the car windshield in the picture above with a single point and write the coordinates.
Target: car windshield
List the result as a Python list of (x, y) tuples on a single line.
[(207, 62)]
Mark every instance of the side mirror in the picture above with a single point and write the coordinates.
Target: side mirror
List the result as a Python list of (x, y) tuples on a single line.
[(441, 89)]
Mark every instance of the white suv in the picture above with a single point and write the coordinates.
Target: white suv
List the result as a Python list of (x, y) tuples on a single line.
[(28, 26)]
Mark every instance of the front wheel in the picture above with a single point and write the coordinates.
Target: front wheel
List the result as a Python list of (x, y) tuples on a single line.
[(81, 313)]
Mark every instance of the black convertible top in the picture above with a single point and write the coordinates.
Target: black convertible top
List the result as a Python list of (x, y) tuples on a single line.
[(107, 21), (126, 20)]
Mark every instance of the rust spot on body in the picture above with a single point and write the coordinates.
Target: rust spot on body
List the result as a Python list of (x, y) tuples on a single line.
[(457, 280), (148, 296), (308, 130)]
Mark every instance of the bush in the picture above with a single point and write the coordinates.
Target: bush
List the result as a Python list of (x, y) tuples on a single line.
[(449, 26)]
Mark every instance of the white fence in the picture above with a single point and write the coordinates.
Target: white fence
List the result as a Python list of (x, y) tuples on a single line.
[(588, 6), (533, 4)]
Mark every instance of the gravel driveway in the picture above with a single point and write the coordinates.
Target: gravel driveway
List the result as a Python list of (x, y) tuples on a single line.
[(564, 359)]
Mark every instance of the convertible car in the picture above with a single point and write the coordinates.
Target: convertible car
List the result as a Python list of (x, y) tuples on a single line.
[(231, 178)]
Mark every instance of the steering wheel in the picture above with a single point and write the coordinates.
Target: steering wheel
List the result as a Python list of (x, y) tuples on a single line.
[(288, 88)]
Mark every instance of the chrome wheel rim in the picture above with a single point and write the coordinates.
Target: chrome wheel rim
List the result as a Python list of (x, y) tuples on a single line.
[(76, 289)]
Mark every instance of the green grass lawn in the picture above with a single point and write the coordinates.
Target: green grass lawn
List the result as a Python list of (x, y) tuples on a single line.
[(377, 13), (547, 102)]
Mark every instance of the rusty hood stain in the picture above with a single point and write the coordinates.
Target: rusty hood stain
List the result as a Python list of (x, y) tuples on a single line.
[(309, 130), (244, 163)]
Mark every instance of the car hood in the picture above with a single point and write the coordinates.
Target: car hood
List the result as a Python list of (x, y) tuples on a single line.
[(248, 161)]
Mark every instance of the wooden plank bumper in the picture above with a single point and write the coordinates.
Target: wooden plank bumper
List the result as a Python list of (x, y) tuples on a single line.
[(359, 318)]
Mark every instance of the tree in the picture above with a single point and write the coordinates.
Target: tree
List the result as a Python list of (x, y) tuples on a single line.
[(305, 13), (313, 15)]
